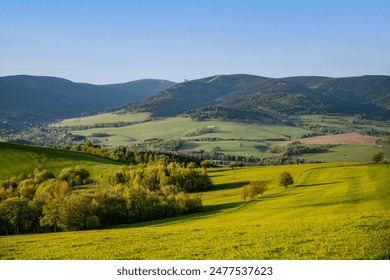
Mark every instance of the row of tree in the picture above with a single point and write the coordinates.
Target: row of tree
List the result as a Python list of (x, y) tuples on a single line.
[(130, 156), (40, 202), (297, 148), (225, 159)]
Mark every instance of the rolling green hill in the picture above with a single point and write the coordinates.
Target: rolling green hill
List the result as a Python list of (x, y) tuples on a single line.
[(31, 100), (226, 137), (16, 159), (246, 97), (365, 90), (196, 132), (334, 211)]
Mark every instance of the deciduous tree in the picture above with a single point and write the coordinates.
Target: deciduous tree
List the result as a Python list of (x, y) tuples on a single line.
[(378, 157), (286, 179), (205, 164)]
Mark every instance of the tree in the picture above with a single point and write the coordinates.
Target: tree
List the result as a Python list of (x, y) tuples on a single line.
[(286, 179), (16, 215), (378, 157), (192, 165), (257, 188), (74, 176), (205, 164), (245, 192), (40, 176), (233, 164), (51, 214), (253, 189)]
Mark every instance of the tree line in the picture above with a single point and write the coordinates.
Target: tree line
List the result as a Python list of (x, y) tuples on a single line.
[(128, 156), (225, 159), (42, 202), (296, 148)]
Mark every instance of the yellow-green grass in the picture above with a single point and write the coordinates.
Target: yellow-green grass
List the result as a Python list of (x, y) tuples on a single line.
[(334, 211), (16, 159), (106, 118)]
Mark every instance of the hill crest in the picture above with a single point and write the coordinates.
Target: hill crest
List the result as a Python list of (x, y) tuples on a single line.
[(365, 95), (30, 100)]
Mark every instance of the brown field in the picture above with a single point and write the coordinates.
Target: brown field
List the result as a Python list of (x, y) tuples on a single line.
[(338, 139)]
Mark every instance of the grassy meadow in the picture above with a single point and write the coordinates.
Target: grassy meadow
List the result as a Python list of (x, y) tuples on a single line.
[(180, 128), (353, 153), (106, 118), (175, 128), (16, 159), (234, 138), (333, 211)]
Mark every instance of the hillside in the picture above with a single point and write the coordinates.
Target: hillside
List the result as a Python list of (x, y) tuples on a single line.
[(366, 90), (31, 100), (334, 211), (16, 159), (248, 97)]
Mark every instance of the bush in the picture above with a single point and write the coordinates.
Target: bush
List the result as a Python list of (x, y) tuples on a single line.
[(378, 157)]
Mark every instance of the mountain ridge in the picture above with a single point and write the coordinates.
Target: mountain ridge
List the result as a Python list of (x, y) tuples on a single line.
[(366, 95), (30, 100)]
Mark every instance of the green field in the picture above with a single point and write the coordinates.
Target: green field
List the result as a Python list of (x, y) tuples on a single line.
[(334, 211), (179, 128), (16, 159), (348, 153), (233, 138), (106, 118)]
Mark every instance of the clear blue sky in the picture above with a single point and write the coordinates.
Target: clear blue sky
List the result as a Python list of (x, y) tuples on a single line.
[(117, 41)]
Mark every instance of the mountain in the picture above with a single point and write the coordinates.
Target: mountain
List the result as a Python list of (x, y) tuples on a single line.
[(365, 90), (243, 97), (30, 100), (143, 88)]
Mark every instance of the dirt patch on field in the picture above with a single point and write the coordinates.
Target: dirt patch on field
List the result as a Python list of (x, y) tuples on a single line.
[(338, 139)]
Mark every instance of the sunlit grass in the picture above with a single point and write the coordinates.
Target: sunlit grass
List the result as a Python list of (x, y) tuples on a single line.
[(106, 118), (16, 159), (332, 212)]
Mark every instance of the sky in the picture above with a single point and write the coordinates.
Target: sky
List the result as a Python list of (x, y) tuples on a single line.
[(113, 41)]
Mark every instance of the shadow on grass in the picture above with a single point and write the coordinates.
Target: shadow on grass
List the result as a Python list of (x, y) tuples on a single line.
[(279, 195), (216, 170), (229, 186), (214, 209), (206, 211), (316, 185)]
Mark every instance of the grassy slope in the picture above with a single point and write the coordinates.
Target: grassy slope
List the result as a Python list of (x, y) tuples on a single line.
[(179, 128), (352, 153), (102, 118), (333, 212), (15, 159)]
